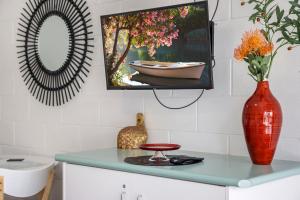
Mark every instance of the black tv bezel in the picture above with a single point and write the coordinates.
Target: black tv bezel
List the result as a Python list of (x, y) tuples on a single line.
[(210, 42)]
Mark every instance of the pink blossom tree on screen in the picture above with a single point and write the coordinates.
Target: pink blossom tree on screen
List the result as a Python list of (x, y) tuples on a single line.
[(151, 29)]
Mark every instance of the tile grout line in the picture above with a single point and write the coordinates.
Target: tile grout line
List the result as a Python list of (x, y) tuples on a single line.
[(231, 78), (228, 145), (197, 116)]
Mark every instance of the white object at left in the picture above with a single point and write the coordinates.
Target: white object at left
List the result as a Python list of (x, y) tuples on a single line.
[(25, 178)]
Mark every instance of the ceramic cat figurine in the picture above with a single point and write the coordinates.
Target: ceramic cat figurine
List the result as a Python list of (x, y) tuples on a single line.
[(132, 137)]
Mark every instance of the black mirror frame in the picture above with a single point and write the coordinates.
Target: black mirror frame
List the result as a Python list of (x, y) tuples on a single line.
[(55, 88)]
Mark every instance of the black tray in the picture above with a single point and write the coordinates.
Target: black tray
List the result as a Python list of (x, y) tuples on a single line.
[(144, 160)]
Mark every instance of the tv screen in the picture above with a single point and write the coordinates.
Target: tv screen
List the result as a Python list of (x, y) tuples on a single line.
[(162, 48)]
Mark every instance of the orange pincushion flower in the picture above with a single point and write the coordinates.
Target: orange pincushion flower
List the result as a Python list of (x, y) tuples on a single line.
[(253, 42), (266, 49)]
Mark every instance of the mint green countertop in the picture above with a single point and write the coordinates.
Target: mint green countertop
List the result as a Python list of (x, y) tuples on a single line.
[(216, 169)]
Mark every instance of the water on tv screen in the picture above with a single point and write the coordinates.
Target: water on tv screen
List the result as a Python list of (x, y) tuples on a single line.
[(163, 48)]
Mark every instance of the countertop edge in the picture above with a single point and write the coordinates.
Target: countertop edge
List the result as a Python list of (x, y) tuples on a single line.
[(154, 172), (267, 178)]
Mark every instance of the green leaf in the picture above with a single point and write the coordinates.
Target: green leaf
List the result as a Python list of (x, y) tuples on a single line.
[(264, 70), (252, 70), (279, 14), (270, 16), (298, 33), (274, 24), (295, 4), (277, 11), (289, 39), (256, 64), (266, 59), (253, 17), (280, 39)]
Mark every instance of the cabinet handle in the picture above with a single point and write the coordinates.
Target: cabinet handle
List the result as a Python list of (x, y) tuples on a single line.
[(123, 196), (140, 197)]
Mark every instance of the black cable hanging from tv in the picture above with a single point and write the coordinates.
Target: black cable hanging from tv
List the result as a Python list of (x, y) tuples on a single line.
[(215, 12), (185, 106), (177, 108), (202, 92)]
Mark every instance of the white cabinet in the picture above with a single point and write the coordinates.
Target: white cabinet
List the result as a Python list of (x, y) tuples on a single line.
[(87, 183)]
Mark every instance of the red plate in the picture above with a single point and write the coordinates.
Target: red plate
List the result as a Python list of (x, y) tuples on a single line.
[(160, 147)]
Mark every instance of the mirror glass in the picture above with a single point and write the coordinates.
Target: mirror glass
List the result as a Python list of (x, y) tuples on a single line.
[(53, 43)]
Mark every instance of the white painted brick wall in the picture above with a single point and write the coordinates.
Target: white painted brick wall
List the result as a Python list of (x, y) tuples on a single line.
[(93, 119)]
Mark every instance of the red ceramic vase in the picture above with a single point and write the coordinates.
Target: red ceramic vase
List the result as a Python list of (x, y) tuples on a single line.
[(262, 120)]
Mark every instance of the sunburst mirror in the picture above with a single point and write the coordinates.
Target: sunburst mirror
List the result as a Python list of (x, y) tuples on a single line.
[(54, 39)]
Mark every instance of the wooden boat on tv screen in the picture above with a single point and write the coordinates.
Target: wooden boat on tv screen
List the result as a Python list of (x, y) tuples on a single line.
[(191, 70)]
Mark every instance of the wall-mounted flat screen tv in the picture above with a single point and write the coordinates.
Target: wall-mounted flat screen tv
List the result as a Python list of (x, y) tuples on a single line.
[(161, 48)]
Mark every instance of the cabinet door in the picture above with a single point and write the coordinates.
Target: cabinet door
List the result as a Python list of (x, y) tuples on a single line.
[(81, 183), (87, 183), (157, 188)]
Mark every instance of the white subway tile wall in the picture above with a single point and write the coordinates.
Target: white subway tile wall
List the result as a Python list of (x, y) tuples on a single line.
[(94, 117)]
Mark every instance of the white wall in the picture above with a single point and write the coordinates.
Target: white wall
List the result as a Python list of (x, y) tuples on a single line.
[(93, 119)]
